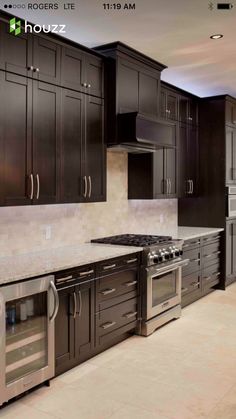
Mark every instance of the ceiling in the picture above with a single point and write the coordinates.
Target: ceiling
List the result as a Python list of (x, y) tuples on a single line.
[(174, 32)]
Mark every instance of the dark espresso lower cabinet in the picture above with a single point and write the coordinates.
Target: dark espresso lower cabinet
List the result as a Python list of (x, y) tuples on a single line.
[(98, 307)]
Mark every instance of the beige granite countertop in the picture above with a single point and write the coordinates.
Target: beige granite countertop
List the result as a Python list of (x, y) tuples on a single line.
[(24, 266), (187, 233)]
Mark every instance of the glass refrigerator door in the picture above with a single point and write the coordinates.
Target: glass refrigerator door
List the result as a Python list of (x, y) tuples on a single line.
[(26, 336)]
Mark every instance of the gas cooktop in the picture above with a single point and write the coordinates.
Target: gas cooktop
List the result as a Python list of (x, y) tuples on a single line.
[(139, 240)]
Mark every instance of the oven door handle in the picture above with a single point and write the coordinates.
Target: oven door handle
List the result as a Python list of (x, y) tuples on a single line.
[(170, 268)]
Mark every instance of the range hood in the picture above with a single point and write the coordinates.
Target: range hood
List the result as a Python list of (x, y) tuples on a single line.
[(137, 134)]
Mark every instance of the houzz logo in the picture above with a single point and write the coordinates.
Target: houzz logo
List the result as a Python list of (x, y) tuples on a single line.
[(16, 28)]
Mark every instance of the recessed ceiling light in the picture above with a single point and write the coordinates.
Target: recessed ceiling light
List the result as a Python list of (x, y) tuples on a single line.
[(217, 36)]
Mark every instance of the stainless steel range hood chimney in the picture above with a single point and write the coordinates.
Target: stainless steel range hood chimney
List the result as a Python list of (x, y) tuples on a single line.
[(137, 134)]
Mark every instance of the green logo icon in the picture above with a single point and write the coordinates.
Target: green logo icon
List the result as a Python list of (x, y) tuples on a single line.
[(15, 26)]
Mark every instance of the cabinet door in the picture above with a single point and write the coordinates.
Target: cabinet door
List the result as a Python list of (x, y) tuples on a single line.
[(159, 181), (15, 139), (15, 51), (163, 105), (183, 109), (234, 248), (127, 86), (84, 322), (230, 113), (192, 159), (171, 105), (170, 171), (72, 134), (73, 73), (183, 184), (64, 331), (192, 117), (94, 75), (46, 132), (46, 60), (149, 91), (230, 155), (228, 253), (95, 158)]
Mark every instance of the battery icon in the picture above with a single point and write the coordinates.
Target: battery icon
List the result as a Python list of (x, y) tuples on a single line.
[(224, 6)]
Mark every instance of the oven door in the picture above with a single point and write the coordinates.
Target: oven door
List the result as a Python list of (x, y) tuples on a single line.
[(163, 288)]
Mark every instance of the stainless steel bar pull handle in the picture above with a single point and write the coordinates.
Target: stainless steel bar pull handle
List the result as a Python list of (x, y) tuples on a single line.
[(132, 260), (130, 284), (32, 186), (131, 314), (75, 305), (80, 303), (109, 266), (108, 325), (170, 186), (86, 273), (108, 291), (85, 186), (184, 289), (191, 184), (56, 299), (38, 186), (90, 186)]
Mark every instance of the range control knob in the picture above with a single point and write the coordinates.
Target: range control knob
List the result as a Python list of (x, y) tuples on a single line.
[(155, 258), (177, 253)]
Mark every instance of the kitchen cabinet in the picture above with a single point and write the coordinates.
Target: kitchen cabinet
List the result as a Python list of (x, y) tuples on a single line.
[(98, 307), (188, 110), (74, 325), (204, 270), (169, 104), (152, 175), (137, 88), (46, 60), (188, 159), (82, 72), (230, 251), (28, 141), (83, 162), (132, 83), (230, 112), (230, 140)]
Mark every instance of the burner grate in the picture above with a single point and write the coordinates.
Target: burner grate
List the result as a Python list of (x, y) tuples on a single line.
[(139, 240)]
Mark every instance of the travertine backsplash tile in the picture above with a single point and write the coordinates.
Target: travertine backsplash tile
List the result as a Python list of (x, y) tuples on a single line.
[(22, 229)]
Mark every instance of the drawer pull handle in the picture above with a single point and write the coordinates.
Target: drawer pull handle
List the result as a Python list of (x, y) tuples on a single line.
[(207, 278), (186, 245), (218, 273), (108, 325), (66, 278), (129, 315), (194, 260), (131, 260), (184, 289), (130, 284), (212, 254), (195, 284), (86, 273), (108, 291), (109, 266)]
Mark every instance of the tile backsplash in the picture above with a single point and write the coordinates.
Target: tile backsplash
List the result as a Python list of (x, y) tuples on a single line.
[(27, 229)]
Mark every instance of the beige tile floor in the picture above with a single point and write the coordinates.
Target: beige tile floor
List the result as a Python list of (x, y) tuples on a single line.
[(186, 370)]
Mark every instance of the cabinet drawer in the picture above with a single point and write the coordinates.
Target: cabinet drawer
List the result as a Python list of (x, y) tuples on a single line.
[(191, 283), (116, 287), (75, 275), (211, 276), (210, 254), (191, 244), (111, 265), (110, 320), (194, 257), (211, 238)]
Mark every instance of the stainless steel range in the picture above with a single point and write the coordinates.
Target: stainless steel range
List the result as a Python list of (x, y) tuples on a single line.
[(161, 273)]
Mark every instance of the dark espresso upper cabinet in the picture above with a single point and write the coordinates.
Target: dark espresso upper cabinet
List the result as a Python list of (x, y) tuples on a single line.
[(16, 52), (46, 60), (230, 112), (132, 83), (169, 104), (188, 160), (82, 72), (152, 175), (83, 162), (188, 110)]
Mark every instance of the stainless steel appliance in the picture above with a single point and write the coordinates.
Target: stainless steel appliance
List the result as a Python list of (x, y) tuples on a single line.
[(161, 274), (27, 313), (231, 195)]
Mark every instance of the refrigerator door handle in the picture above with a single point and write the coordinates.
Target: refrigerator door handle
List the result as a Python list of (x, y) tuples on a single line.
[(56, 300)]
